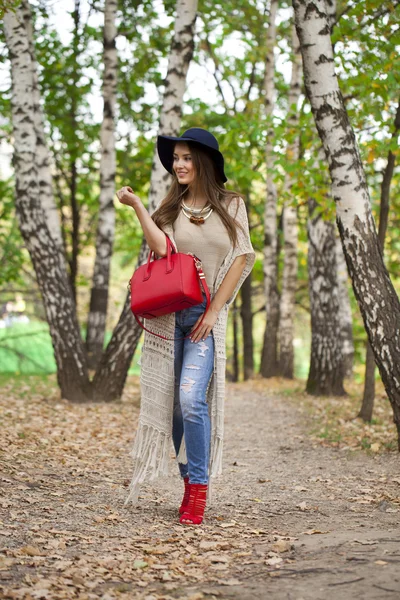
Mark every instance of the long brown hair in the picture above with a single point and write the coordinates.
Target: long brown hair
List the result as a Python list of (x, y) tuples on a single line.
[(209, 183)]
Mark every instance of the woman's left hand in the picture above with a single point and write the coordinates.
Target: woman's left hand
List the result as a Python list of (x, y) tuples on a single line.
[(205, 328)]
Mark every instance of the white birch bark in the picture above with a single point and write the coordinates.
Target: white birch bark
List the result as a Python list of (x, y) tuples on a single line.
[(181, 53), (42, 158), (331, 9), (45, 254), (378, 301), (118, 355), (96, 324), (326, 363), (367, 406), (290, 227), (269, 357), (345, 314)]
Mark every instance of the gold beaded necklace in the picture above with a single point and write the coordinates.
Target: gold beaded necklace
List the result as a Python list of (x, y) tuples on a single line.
[(196, 215)]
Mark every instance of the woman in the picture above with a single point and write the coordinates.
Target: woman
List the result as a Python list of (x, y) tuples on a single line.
[(182, 381)]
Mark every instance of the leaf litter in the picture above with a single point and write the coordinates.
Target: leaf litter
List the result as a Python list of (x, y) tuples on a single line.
[(65, 532)]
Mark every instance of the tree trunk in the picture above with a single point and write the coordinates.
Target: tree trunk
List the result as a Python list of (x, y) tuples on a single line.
[(73, 175), (236, 367), (331, 9), (45, 254), (345, 315), (181, 54), (269, 356), (246, 315), (290, 229), (96, 325), (367, 406), (326, 366), (110, 377), (288, 293), (379, 304), (42, 158), (247, 329), (76, 218)]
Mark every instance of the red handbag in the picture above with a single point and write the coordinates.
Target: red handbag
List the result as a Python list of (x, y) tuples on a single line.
[(167, 285)]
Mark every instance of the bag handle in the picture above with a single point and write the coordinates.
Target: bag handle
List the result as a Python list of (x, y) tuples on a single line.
[(203, 284), (169, 267)]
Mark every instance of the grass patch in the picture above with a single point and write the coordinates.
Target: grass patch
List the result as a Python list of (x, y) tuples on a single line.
[(26, 348), (19, 385)]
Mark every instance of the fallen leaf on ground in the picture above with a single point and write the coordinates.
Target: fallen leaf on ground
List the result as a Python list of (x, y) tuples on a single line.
[(274, 560), (282, 546), (31, 551), (139, 564)]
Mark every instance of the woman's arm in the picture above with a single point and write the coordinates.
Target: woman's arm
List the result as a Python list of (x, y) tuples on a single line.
[(155, 237), (223, 294)]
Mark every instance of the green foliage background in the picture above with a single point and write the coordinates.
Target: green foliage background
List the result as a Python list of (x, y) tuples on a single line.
[(366, 41)]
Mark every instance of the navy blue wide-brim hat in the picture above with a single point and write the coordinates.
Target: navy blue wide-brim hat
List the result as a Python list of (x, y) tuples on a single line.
[(198, 137)]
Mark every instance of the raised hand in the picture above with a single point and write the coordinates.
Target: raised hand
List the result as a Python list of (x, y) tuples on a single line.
[(126, 196)]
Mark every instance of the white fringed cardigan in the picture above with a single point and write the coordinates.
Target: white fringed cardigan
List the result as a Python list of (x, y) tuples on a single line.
[(152, 445)]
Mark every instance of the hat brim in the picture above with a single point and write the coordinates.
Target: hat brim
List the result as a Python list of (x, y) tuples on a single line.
[(165, 149)]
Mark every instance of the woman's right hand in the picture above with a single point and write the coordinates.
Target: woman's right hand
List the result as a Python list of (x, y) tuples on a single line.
[(126, 196)]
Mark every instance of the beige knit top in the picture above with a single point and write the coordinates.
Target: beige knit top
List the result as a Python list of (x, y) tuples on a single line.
[(209, 242)]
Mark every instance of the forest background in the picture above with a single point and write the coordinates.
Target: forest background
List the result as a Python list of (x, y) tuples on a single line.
[(244, 84)]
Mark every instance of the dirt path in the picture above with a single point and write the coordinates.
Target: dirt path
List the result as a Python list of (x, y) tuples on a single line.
[(289, 519)]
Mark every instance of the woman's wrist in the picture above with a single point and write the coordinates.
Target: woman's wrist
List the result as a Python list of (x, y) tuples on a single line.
[(214, 309), (136, 204)]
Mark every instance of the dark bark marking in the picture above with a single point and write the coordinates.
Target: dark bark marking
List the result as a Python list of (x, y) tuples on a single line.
[(311, 11), (323, 59)]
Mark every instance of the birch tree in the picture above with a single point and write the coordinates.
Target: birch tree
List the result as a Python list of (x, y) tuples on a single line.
[(331, 353), (290, 227), (326, 363), (345, 315), (96, 324), (246, 315), (326, 373), (379, 304), (181, 53), (269, 357), (45, 255), (367, 405), (42, 158), (110, 377)]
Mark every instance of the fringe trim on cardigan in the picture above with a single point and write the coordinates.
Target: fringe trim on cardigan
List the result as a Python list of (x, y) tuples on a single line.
[(151, 456)]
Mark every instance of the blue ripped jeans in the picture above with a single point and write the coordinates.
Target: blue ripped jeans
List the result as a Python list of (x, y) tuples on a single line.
[(194, 365)]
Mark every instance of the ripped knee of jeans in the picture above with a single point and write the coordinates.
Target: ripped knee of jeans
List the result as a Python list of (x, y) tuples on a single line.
[(187, 385), (203, 348)]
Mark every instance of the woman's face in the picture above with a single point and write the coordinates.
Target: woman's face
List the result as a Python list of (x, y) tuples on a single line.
[(183, 165)]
